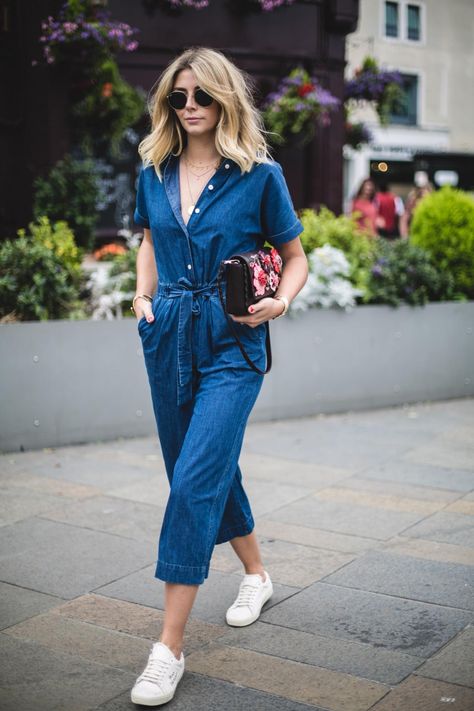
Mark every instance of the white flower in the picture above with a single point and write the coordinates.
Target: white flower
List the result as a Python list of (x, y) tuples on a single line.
[(327, 284)]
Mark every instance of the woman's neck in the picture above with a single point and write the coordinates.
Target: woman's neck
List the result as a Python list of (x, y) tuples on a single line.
[(201, 150)]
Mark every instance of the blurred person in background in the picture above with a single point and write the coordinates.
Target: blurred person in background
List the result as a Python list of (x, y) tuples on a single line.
[(389, 208), (421, 188), (364, 208)]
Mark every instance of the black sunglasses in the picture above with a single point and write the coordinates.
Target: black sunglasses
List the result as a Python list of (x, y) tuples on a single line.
[(177, 99)]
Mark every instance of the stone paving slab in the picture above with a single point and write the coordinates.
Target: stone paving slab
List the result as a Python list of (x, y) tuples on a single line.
[(23, 496), (94, 643), (317, 440), (267, 496), (452, 448), (290, 471), (154, 490), (446, 528), (314, 537), (344, 517), (35, 677), (426, 695), (356, 658), (17, 604), (212, 600), (430, 550), (411, 578), (63, 560), (200, 693), (133, 619), (454, 663), (386, 501), (290, 563), (418, 474), (111, 514), (299, 682), (403, 490), (76, 464), (381, 620)]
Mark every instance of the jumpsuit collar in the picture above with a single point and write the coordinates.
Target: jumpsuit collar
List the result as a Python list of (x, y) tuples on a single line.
[(173, 193)]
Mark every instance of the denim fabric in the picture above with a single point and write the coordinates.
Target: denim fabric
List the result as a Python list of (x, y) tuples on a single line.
[(202, 389)]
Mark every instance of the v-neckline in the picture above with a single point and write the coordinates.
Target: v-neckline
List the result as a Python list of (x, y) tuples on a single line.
[(186, 222)]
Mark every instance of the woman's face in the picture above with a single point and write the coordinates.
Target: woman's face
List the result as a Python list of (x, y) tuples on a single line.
[(368, 190), (196, 120)]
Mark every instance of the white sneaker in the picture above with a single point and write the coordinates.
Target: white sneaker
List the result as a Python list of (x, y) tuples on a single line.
[(157, 683), (253, 593)]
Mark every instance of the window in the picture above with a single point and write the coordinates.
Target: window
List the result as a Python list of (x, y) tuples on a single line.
[(406, 112), (402, 21), (413, 22), (391, 19)]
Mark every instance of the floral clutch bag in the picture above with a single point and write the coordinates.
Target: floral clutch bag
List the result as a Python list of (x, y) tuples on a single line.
[(250, 277)]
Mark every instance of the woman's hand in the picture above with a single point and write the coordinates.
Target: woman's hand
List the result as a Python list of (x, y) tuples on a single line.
[(143, 308), (263, 310)]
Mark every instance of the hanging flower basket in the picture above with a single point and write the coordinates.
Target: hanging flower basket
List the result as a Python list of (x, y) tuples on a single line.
[(381, 88), (356, 134), (84, 35), (297, 107)]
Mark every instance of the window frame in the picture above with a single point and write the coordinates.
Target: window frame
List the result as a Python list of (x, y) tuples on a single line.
[(402, 37), (409, 71)]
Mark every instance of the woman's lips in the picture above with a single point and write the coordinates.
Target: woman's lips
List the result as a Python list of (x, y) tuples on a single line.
[(193, 119)]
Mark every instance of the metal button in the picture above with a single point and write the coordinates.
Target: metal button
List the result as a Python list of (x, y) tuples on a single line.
[(189, 266), (211, 187), (227, 166), (197, 210)]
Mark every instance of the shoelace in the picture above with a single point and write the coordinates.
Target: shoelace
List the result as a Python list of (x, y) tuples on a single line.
[(247, 593), (155, 670)]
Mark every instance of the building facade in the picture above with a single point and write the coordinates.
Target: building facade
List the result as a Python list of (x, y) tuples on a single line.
[(432, 44)]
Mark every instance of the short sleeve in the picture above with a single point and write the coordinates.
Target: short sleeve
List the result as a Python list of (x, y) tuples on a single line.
[(279, 219), (140, 215)]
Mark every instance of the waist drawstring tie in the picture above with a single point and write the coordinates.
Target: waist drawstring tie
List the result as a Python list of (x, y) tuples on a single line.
[(189, 305)]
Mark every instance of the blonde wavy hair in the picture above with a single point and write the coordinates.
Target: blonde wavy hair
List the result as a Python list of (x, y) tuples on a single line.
[(240, 132)]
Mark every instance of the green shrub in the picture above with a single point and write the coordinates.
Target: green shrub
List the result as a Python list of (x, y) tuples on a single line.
[(443, 224), (403, 272), (341, 232), (70, 192), (35, 284), (60, 239), (123, 275)]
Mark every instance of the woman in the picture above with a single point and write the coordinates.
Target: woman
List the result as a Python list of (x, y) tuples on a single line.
[(207, 189), (364, 207)]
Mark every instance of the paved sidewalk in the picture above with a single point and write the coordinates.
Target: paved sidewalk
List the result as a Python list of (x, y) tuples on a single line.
[(366, 526)]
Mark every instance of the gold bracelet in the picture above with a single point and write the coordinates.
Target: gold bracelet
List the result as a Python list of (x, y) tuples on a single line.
[(286, 304), (140, 296)]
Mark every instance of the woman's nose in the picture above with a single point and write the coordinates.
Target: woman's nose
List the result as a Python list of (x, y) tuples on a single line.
[(190, 101)]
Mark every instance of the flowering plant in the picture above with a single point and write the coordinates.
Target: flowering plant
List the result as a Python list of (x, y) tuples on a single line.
[(382, 88), (269, 5), (78, 28), (297, 106), (328, 283), (356, 134), (197, 4), (266, 5)]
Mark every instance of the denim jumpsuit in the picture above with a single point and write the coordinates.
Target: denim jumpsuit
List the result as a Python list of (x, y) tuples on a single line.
[(202, 389)]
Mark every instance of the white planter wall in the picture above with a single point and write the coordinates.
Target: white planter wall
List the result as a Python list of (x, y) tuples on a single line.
[(65, 382)]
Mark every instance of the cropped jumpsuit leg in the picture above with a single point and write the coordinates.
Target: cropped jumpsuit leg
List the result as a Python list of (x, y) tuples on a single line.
[(202, 389)]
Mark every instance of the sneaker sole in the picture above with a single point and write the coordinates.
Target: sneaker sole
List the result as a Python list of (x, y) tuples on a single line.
[(144, 701), (255, 617)]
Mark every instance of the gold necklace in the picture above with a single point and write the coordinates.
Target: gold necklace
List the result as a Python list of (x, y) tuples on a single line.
[(195, 165), (193, 201)]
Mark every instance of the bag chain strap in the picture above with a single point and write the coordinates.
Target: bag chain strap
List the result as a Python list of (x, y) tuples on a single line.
[(231, 324)]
